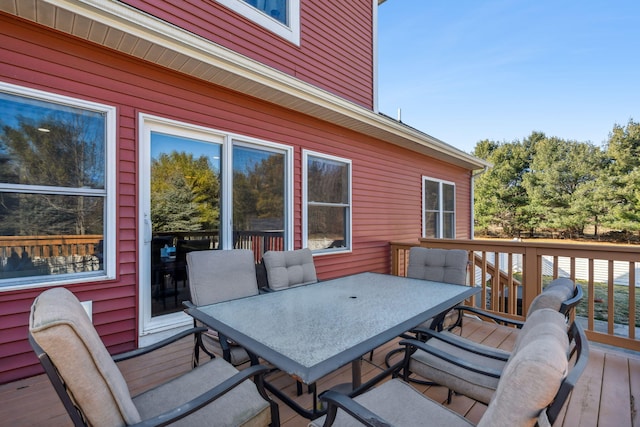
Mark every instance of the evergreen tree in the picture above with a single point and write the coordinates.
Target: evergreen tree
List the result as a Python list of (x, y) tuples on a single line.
[(623, 150), (184, 193)]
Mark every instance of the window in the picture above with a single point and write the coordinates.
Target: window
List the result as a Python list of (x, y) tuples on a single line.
[(327, 203), (260, 177), (56, 188), (282, 17), (439, 209)]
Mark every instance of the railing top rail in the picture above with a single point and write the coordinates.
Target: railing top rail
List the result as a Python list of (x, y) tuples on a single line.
[(543, 247)]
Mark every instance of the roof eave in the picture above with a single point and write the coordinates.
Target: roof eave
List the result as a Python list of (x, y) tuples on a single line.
[(117, 26)]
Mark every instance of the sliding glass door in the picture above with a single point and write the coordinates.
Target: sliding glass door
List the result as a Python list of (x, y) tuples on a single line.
[(203, 190)]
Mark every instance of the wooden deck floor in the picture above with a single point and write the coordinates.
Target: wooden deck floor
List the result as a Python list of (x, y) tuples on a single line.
[(604, 396)]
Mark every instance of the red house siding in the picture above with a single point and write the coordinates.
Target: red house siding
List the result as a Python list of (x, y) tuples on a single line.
[(336, 40), (387, 180)]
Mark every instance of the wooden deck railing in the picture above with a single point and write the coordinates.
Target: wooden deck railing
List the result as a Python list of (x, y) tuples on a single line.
[(525, 267), (49, 246)]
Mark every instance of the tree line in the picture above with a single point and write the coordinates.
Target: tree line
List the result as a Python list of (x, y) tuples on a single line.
[(548, 185)]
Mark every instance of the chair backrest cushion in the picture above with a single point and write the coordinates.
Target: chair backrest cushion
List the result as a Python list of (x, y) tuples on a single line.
[(553, 295), (531, 378), (552, 320), (289, 268), (221, 275), (59, 325), (439, 265)]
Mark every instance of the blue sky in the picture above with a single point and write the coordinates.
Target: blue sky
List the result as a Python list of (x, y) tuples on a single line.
[(470, 70)]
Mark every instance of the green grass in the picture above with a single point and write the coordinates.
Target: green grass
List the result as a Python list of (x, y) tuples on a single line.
[(601, 305), (601, 311)]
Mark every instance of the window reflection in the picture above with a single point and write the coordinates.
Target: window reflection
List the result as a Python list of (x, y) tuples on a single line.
[(52, 188), (49, 144), (328, 204), (185, 213), (258, 193)]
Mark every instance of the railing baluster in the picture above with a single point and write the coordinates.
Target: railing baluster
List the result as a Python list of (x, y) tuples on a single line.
[(592, 295), (632, 300), (610, 298)]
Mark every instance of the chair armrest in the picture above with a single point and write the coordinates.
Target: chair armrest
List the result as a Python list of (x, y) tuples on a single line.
[(424, 346), (465, 344), (205, 398), (569, 304), (140, 351), (338, 400), (495, 317)]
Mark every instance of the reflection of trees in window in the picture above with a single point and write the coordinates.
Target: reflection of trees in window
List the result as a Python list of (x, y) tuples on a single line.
[(258, 191), (58, 151), (52, 187), (327, 184), (327, 203), (185, 193)]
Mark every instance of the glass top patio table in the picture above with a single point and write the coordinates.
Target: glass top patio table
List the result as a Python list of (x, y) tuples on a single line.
[(310, 331)]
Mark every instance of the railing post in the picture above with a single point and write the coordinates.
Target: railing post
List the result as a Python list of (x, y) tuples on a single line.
[(532, 266)]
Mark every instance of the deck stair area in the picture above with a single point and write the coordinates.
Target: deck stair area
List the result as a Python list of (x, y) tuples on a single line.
[(606, 394)]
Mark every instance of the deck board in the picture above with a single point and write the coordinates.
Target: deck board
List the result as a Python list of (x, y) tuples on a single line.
[(634, 386), (605, 395), (584, 403), (616, 372)]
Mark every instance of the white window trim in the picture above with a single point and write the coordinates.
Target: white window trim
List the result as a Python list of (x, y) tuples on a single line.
[(440, 208), (109, 237), (305, 221), (289, 32)]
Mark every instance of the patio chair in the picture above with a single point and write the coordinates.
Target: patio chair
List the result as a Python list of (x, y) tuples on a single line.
[(473, 369), (287, 269), (533, 389), (216, 276), (440, 265), (94, 391), (468, 368)]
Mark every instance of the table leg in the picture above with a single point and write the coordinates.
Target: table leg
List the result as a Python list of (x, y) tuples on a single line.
[(356, 373)]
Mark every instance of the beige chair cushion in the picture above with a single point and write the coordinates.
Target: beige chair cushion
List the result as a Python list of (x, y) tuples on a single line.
[(475, 385), (553, 295), (221, 275), (529, 382), (59, 324), (439, 265), (564, 283), (242, 406), (289, 268), (544, 322), (237, 354), (218, 275), (554, 322), (402, 406)]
